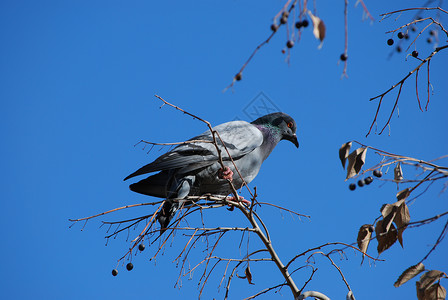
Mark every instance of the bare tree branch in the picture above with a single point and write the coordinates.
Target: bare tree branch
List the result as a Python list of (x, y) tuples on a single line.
[(400, 83)]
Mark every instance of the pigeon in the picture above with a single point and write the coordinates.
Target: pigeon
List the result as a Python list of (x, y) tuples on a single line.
[(193, 168)]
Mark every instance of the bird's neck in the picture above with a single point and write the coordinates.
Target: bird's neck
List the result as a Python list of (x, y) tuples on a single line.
[(271, 137)]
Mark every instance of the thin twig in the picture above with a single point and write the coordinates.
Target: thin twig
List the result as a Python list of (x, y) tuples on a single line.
[(366, 10), (173, 144), (416, 91), (439, 239), (393, 109), (400, 83), (285, 209), (344, 72), (314, 270), (413, 8), (115, 209), (337, 267), (389, 154), (265, 291), (329, 244)]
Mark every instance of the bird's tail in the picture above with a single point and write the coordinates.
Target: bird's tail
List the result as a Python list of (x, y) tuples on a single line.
[(167, 213), (171, 205)]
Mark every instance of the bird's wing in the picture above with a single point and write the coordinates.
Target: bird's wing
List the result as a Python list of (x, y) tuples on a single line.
[(239, 137)]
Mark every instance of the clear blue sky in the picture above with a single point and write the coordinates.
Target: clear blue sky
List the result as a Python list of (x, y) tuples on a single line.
[(77, 83)]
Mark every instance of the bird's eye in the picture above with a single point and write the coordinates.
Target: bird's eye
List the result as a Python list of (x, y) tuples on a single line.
[(290, 125)]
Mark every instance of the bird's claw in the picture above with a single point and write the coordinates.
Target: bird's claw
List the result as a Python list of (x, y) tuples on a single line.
[(240, 199), (225, 173)]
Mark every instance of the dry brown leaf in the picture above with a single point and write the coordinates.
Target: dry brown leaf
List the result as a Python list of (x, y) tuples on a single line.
[(397, 213), (386, 209), (389, 211), (318, 28), (248, 275), (398, 173), (360, 160), (343, 152), (364, 235), (435, 292), (402, 219), (403, 194), (351, 163), (399, 203), (385, 238), (363, 239), (420, 292), (428, 278), (356, 160), (409, 273)]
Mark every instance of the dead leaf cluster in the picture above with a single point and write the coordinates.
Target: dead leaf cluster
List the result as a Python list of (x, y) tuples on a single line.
[(386, 232), (426, 288), (398, 213), (356, 159)]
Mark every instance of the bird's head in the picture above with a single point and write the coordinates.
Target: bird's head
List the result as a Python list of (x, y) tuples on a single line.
[(280, 123)]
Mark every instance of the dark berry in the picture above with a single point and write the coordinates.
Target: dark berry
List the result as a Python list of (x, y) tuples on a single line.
[(343, 57), (429, 40), (414, 53), (406, 36), (274, 27), (238, 77), (283, 20), (432, 32), (283, 51), (352, 186), (290, 44), (390, 42), (129, 266), (361, 182), (398, 49), (377, 173), (413, 29), (141, 247), (305, 23), (114, 272), (298, 24), (371, 228), (368, 180), (400, 35)]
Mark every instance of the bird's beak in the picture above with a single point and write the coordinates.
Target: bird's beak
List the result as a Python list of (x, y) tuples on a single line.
[(293, 139)]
